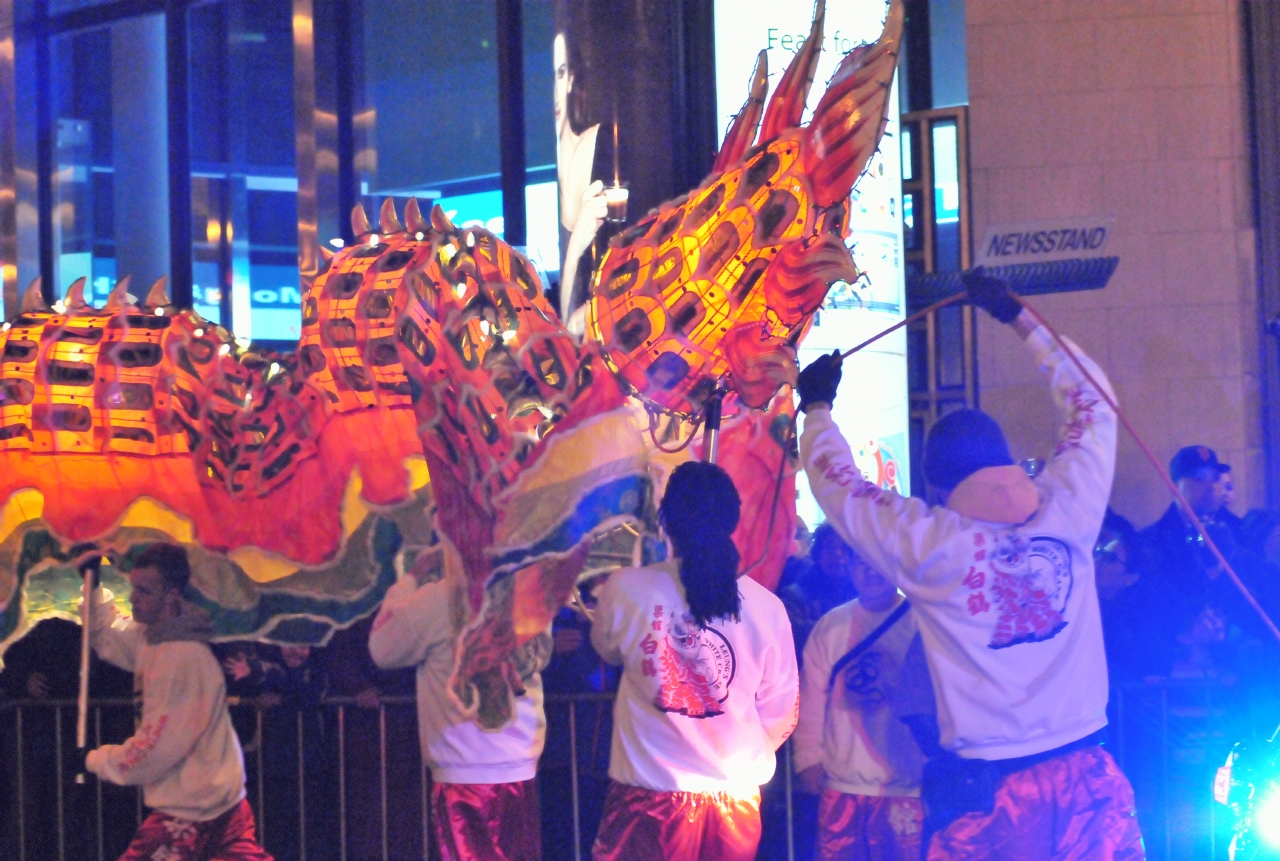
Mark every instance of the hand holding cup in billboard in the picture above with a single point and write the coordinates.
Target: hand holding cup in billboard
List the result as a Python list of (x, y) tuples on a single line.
[(616, 197)]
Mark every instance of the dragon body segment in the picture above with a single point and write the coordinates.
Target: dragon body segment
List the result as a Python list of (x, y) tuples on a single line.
[(428, 345)]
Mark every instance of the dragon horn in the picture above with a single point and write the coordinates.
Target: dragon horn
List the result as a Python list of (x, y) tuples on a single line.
[(787, 105), (387, 221), (742, 131), (74, 299), (325, 254), (440, 221), (359, 221), (119, 296), (851, 116), (413, 219), (159, 293), (33, 299)]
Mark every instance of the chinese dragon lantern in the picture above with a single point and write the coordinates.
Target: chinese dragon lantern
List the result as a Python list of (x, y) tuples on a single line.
[(437, 412)]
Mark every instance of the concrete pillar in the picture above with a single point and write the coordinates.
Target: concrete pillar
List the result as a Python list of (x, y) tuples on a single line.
[(139, 132)]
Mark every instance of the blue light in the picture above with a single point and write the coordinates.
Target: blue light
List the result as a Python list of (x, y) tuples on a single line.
[(1266, 817)]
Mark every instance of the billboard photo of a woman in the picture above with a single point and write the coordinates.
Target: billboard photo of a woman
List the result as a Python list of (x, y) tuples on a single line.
[(582, 201)]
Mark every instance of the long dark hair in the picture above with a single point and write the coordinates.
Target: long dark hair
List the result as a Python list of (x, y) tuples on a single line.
[(699, 512)]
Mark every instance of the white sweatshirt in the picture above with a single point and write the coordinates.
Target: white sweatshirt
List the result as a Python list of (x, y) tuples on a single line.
[(184, 753), (415, 627), (855, 734), (698, 710), (1008, 613)]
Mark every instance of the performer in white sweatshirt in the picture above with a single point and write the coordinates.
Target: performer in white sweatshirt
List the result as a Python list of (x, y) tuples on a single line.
[(850, 745), (184, 754), (484, 800), (1000, 577), (708, 690)]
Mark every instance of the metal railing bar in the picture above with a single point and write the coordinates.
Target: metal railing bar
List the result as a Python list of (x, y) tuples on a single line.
[(302, 792), (573, 781), (57, 758), (22, 792), (342, 783), (97, 784), (262, 799), (382, 774)]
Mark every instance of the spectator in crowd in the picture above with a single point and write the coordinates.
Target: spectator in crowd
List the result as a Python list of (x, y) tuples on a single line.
[(825, 585), (287, 684), (39, 670), (1226, 492), (1185, 591), (1260, 534), (800, 561), (1124, 603), (575, 668), (851, 747), (381, 728)]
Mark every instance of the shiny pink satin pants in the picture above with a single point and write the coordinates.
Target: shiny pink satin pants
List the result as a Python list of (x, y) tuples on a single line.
[(487, 821), (641, 824), (1075, 807), (868, 827), (230, 837)]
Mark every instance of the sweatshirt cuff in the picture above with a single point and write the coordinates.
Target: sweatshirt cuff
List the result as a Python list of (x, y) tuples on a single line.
[(96, 761), (1040, 342)]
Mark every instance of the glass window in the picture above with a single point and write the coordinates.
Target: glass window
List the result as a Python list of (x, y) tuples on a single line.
[(244, 180), (110, 158), (946, 196)]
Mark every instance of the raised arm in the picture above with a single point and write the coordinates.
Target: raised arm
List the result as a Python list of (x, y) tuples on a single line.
[(412, 620), (1084, 460), (116, 638), (884, 528)]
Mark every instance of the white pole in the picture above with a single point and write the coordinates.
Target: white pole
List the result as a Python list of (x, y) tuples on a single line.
[(82, 701)]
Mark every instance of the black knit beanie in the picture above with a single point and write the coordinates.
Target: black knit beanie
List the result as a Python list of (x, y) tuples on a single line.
[(961, 443)]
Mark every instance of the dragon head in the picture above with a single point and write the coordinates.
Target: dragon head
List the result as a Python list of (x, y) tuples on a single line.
[(722, 284)]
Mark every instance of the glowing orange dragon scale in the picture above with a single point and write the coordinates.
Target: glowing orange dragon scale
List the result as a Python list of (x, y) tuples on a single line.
[(437, 418), (723, 283)]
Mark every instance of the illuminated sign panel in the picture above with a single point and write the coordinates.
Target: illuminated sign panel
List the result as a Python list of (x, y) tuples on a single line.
[(872, 409)]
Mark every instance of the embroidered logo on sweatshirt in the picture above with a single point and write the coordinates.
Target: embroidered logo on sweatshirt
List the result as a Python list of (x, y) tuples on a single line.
[(1030, 584), (695, 666)]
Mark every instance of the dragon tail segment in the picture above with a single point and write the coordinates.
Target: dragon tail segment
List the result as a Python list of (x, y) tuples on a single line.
[(851, 116), (786, 107), (742, 131)]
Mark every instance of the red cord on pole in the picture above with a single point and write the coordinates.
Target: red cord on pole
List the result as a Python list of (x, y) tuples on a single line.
[(1173, 487)]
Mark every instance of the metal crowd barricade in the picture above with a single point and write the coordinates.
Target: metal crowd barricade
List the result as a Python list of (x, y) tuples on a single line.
[(1166, 737)]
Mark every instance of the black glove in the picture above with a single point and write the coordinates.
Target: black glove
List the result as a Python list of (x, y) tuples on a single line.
[(94, 564), (991, 294), (78, 757), (819, 381)]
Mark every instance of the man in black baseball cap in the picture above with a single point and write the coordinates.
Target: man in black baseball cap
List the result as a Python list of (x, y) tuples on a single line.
[(1196, 469), (1178, 571)]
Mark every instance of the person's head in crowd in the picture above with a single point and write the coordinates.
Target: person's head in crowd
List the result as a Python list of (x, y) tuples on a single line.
[(699, 511), (1227, 488), (958, 445), (159, 577), (295, 656), (1197, 472), (1113, 568), (1261, 534), (831, 555), (875, 592), (803, 540)]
